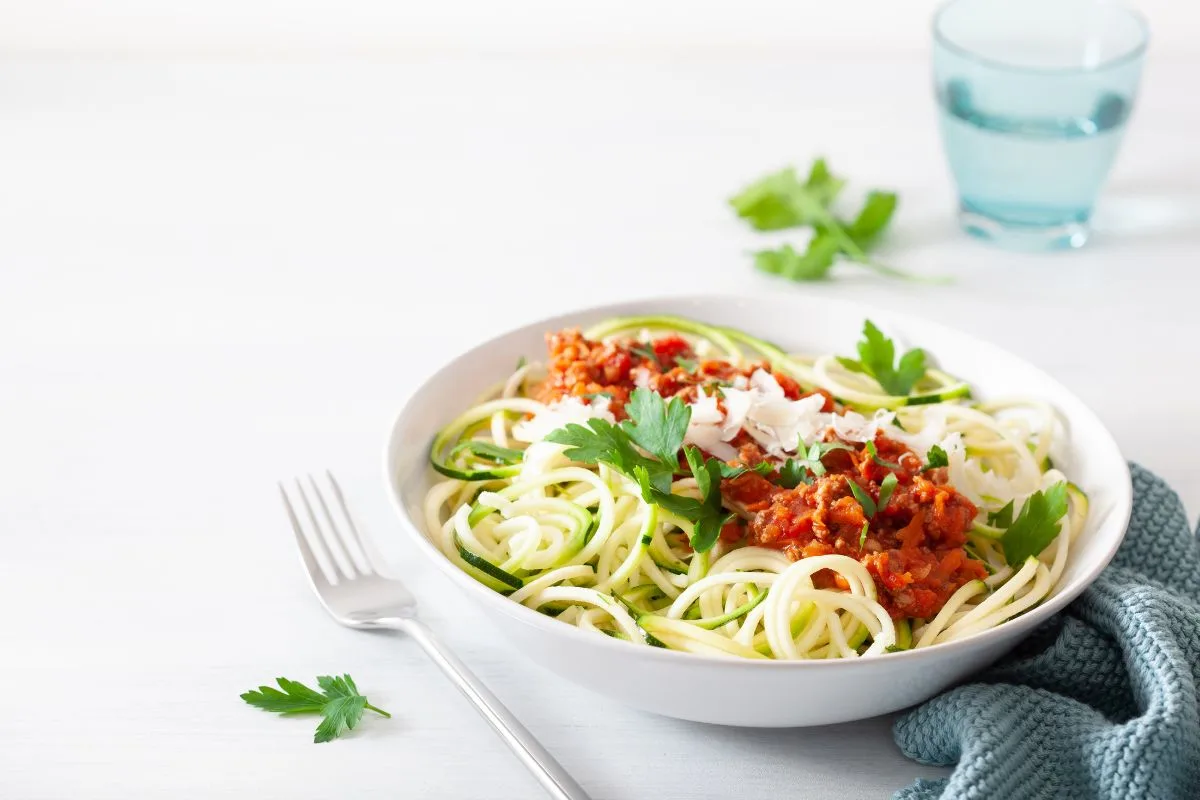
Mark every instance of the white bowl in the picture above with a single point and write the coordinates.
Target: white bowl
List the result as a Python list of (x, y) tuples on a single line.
[(765, 693)]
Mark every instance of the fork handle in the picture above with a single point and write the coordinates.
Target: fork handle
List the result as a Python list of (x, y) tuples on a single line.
[(549, 773)]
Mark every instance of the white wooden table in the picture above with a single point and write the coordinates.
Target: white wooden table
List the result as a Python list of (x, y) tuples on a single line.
[(214, 277)]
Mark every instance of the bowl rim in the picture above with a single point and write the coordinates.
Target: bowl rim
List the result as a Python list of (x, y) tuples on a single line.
[(1123, 495)]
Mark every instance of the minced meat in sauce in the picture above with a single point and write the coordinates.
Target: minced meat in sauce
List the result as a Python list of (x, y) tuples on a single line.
[(913, 547), (914, 544), (580, 367)]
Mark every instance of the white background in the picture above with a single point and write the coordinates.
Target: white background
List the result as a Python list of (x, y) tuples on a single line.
[(214, 276), (402, 28)]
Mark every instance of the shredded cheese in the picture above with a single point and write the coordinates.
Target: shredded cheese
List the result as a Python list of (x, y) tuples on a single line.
[(559, 414)]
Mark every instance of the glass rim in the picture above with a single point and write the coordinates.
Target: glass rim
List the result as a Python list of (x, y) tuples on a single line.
[(1133, 54)]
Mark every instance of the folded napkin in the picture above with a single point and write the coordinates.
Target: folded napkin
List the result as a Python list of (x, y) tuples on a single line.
[(1101, 701)]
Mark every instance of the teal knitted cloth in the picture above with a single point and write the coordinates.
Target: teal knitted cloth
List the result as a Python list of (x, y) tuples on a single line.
[(1101, 701)]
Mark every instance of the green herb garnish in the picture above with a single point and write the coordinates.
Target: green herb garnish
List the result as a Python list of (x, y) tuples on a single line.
[(339, 703), (1036, 525), (886, 487), (876, 354), (817, 451), (1002, 518), (936, 457), (873, 452), (872, 507), (646, 352), (793, 473), (601, 440), (658, 427), (655, 425), (728, 472)]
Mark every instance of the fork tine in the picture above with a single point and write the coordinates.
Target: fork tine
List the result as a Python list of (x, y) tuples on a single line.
[(314, 562), (361, 554), (345, 537), (332, 545)]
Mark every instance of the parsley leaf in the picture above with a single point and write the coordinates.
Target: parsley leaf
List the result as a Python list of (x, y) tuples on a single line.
[(1002, 518), (704, 478), (886, 487), (874, 216), (824, 247), (1036, 526), (936, 457), (862, 537), (876, 354), (872, 507), (686, 507), (687, 364), (863, 498), (707, 514), (780, 200), (792, 474), (729, 472), (599, 440), (646, 352), (811, 265), (707, 530), (873, 452), (339, 703), (712, 516), (812, 459), (656, 425)]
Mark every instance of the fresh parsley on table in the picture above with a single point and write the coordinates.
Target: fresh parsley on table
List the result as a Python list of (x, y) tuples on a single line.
[(339, 703), (782, 200)]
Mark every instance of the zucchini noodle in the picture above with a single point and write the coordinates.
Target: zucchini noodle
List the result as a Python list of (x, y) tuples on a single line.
[(580, 543)]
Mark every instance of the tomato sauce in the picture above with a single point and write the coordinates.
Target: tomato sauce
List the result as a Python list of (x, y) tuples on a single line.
[(913, 548), (580, 367)]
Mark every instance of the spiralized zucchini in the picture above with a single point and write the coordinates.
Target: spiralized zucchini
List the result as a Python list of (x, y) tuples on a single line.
[(579, 543)]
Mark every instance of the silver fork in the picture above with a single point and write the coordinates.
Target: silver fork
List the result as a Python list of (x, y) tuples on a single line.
[(341, 574)]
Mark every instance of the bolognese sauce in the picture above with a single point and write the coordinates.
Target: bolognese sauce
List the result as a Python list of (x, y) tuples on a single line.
[(913, 545)]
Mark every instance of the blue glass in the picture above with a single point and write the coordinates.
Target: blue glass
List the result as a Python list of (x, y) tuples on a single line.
[(1034, 96)]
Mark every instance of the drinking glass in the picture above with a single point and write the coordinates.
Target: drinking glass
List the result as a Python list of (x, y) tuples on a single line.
[(1033, 97)]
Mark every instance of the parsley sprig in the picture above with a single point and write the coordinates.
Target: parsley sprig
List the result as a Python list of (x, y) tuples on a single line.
[(1035, 526), (657, 427), (877, 356), (936, 457), (808, 464), (707, 514), (781, 200), (339, 703)]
